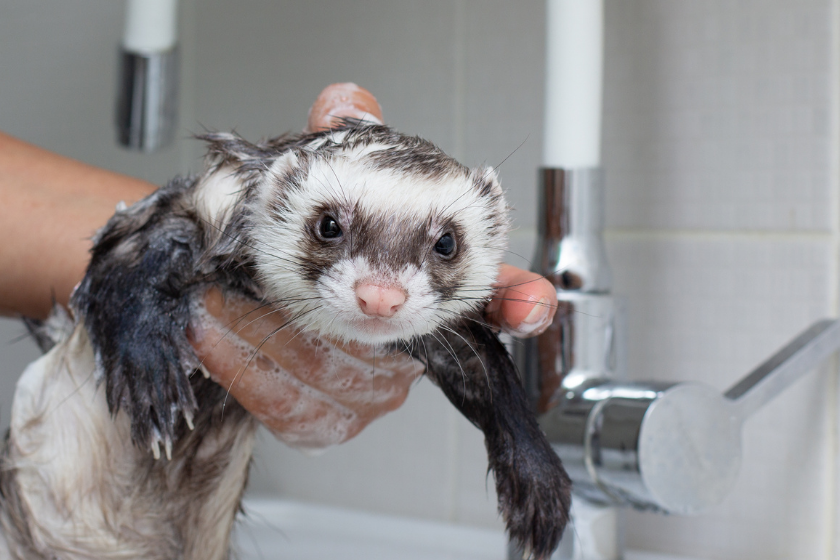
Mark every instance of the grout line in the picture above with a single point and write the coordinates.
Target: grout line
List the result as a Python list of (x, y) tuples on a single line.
[(613, 234), (718, 235)]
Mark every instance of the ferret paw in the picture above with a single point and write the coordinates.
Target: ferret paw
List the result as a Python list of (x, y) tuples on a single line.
[(534, 500), (154, 390)]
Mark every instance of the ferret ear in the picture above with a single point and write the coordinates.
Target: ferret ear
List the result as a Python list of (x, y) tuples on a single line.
[(229, 179), (216, 195), (284, 166), (226, 149), (285, 170), (486, 180)]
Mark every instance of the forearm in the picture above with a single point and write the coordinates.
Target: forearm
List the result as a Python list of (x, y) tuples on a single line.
[(50, 206)]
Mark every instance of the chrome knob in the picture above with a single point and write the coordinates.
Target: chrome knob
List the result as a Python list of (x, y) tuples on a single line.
[(670, 447)]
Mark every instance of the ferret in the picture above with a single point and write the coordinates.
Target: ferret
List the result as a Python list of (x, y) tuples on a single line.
[(359, 233)]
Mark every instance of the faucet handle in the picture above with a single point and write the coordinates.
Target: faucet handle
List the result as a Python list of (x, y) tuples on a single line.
[(802, 354), (671, 447)]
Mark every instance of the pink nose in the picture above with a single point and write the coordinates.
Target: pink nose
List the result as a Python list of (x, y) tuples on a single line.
[(378, 300)]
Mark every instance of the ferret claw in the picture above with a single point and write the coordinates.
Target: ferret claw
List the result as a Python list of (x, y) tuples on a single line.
[(168, 447), (188, 418), (156, 449), (203, 372)]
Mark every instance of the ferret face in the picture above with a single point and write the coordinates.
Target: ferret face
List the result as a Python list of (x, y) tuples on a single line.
[(376, 241)]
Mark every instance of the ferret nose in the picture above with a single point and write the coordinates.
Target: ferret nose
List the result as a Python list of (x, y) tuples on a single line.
[(379, 301)]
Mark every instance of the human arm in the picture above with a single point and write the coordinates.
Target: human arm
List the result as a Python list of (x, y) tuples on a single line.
[(50, 207)]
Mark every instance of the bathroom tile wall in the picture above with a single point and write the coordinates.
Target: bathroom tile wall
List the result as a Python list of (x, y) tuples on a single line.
[(720, 147)]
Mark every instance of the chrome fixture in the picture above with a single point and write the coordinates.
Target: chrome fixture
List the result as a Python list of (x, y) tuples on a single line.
[(673, 447), (668, 447), (147, 99), (582, 348)]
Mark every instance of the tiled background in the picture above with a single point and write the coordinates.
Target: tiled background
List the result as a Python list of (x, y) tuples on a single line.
[(720, 147)]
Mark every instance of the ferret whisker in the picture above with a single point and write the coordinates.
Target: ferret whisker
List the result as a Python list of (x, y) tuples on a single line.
[(510, 252), (471, 318), (519, 299), (256, 350), (451, 204), (232, 325), (448, 347), (472, 348), (496, 167), (425, 353), (329, 187), (373, 376), (338, 181), (78, 388), (503, 286), (525, 283), (261, 317)]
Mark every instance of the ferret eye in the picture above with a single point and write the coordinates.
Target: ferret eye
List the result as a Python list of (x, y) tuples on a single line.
[(445, 246), (329, 228)]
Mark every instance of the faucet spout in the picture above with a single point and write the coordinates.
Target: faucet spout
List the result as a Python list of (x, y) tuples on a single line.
[(581, 345), (570, 247)]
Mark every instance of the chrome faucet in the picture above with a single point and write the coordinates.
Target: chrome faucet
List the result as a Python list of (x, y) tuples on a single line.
[(668, 447)]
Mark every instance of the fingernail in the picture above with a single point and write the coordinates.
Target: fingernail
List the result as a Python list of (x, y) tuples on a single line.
[(538, 313), (537, 319)]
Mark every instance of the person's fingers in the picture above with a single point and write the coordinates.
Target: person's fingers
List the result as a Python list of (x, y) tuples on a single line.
[(295, 412), (355, 375), (338, 101), (309, 392), (524, 302)]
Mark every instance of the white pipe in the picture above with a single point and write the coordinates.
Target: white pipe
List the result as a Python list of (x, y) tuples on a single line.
[(574, 76), (150, 26)]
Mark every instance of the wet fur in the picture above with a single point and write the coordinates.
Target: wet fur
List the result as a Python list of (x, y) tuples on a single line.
[(155, 258), (73, 486)]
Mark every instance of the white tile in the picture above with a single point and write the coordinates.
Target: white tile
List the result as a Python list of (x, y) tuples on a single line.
[(504, 44), (262, 63), (704, 102)]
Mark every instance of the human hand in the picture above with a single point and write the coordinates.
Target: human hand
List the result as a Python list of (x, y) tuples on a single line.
[(310, 392)]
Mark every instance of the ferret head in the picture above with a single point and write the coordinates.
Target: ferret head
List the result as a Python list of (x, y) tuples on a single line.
[(363, 234)]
